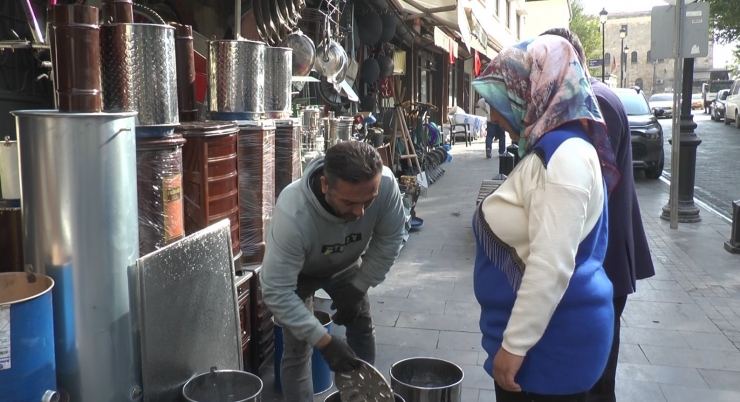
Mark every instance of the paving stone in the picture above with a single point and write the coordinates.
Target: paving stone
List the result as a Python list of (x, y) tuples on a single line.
[(719, 379), (664, 284), (439, 322), (675, 296), (661, 374), (670, 322), (647, 336), (398, 353), (463, 309), (462, 295), (705, 341), (454, 340), (675, 393), (632, 354), (476, 377), (638, 391), (487, 396), (682, 357), (402, 304), (385, 318), (472, 395), (406, 337)]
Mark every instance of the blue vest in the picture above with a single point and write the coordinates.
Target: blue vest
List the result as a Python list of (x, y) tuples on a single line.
[(572, 353)]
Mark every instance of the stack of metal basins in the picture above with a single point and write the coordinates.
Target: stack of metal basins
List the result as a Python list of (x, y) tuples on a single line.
[(78, 192)]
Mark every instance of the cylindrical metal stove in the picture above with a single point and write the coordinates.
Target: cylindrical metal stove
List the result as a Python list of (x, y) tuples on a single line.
[(118, 11), (10, 178), (185, 73), (210, 182), (236, 78), (11, 240), (159, 176), (311, 119), (278, 81), (139, 74), (76, 57), (344, 128), (287, 153), (78, 177), (256, 185), (27, 367)]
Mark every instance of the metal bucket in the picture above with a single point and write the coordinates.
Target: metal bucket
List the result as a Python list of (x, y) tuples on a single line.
[(322, 302), (320, 371), (427, 379), (223, 386), (311, 119), (344, 128), (278, 76), (27, 367), (139, 73), (210, 176), (335, 397), (256, 186), (287, 153), (10, 178), (80, 227), (236, 77), (159, 178)]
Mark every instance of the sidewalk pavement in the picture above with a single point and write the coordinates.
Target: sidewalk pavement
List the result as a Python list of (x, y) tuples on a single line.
[(680, 331)]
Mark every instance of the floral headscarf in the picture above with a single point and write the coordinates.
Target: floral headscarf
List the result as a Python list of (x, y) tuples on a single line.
[(539, 85)]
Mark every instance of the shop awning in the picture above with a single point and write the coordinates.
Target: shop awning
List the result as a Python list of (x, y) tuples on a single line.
[(462, 16)]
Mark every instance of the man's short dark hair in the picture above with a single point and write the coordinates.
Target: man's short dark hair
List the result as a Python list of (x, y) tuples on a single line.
[(352, 161), (571, 37)]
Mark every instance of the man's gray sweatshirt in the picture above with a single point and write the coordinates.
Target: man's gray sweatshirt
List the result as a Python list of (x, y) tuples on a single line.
[(305, 238)]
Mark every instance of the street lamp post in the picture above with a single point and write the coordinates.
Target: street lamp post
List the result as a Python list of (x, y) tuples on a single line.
[(622, 35), (626, 63), (602, 19)]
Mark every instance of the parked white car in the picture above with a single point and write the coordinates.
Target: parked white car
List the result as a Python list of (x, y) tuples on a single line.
[(662, 102), (732, 105)]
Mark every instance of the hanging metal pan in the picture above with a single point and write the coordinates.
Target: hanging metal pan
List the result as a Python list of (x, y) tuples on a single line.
[(270, 25), (289, 11), (260, 20)]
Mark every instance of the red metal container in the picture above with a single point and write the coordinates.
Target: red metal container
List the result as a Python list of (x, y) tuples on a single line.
[(185, 72), (211, 180), (77, 56), (118, 11), (288, 167), (256, 186)]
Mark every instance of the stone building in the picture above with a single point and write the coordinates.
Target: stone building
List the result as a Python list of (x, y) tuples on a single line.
[(640, 69)]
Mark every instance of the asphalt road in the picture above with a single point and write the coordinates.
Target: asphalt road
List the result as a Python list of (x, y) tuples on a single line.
[(718, 162)]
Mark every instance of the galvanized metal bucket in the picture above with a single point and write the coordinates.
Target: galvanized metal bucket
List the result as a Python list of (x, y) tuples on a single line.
[(278, 71), (27, 366), (138, 67), (223, 385), (236, 77), (427, 379)]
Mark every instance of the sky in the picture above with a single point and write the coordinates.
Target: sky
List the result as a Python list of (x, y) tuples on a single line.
[(722, 53)]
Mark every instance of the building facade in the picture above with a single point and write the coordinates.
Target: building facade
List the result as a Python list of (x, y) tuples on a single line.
[(637, 67), (544, 15)]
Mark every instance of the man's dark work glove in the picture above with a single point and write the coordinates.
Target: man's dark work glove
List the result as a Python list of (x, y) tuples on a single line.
[(347, 300), (339, 356)]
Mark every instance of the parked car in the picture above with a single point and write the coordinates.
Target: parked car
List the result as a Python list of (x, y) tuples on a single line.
[(647, 133), (718, 105), (662, 102), (732, 105), (697, 102)]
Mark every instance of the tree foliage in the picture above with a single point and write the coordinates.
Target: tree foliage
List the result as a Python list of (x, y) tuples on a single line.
[(588, 30), (725, 19)]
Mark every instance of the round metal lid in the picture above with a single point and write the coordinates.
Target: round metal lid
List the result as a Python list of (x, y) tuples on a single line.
[(365, 384)]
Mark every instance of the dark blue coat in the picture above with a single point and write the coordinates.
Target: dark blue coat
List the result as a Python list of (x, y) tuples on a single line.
[(628, 255)]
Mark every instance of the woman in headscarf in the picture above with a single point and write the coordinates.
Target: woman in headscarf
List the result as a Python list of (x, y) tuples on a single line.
[(546, 310)]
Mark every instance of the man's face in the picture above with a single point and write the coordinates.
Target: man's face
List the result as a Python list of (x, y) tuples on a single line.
[(349, 200)]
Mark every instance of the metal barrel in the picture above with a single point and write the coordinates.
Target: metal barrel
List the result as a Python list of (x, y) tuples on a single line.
[(287, 153), (139, 74), (80, 226), (236, 77), (27, 367), (240, 386), (320, 371), (427, 379), (278, 76)]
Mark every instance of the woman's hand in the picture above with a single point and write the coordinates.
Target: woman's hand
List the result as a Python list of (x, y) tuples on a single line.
[(505, 367)]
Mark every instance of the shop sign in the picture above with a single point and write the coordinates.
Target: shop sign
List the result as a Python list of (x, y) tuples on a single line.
[(476, 29), (443, 41)]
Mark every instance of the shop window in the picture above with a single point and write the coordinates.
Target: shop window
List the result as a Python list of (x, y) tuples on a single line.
[(508, 14), (634, 57), (607, 59)]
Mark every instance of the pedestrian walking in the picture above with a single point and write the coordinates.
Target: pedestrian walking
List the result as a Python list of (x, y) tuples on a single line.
[(493, 131)]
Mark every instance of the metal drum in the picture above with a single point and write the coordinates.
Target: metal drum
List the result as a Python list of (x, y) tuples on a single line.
[(427, 379), (256, 185), (27, 367), (80, 227), (76, 58), (236, 77), (139, 74), (278, 76), (287, 153), (211, 181), (240, 386), (10, 178), (159, 175), (311, 119), (335, 397)]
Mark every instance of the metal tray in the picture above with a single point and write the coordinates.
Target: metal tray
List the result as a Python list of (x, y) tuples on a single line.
[(365, 384)]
